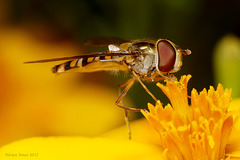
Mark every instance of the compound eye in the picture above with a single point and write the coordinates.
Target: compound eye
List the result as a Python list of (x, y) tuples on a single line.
[(166, 56)]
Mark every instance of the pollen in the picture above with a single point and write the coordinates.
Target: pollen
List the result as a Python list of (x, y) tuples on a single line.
[(199, 130)]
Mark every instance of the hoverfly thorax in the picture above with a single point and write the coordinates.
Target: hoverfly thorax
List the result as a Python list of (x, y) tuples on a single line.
[(169, 57)]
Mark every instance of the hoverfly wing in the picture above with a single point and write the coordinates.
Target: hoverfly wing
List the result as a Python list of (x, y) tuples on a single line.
[(56, 59), (103, 41), (81, 56)]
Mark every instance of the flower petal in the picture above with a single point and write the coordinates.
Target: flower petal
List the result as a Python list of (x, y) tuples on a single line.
[(63, 148), (233, 147)]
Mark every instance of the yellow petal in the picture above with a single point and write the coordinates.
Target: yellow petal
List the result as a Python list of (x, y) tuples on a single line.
[(64, 148), (141, 132), (233, 146), (177, 94)]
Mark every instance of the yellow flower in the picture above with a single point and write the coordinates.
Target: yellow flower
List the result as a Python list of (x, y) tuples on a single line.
[(193, 132)]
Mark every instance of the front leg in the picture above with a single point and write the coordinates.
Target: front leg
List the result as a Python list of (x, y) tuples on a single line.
[(143, 85)]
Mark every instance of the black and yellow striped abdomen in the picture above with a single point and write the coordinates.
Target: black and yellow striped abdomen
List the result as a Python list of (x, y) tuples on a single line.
[(92, 64)]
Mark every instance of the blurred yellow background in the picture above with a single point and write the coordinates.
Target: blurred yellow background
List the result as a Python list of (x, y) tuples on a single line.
[(36, 102)]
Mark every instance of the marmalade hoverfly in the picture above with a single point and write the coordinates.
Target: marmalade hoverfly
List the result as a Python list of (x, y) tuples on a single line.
[(148, 60)]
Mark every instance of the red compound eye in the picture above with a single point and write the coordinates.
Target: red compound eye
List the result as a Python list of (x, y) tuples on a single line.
[(166, 56)]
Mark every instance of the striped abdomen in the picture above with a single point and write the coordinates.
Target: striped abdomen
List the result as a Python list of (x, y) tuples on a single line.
[(91, 64)]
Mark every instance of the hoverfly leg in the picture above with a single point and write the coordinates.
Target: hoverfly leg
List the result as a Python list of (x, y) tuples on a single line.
[(126, 118), (119, 102), (155, 79), (121, 86), (128, 85), (171, 77), (143, 85)]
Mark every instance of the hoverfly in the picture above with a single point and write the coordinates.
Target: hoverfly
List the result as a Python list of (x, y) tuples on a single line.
[(147, 60)]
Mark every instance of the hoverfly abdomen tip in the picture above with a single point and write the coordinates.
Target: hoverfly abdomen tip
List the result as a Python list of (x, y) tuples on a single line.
[(54, 69), (58, 68)]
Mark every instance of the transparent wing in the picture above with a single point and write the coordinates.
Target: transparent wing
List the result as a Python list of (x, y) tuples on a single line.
[(83, 56)]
